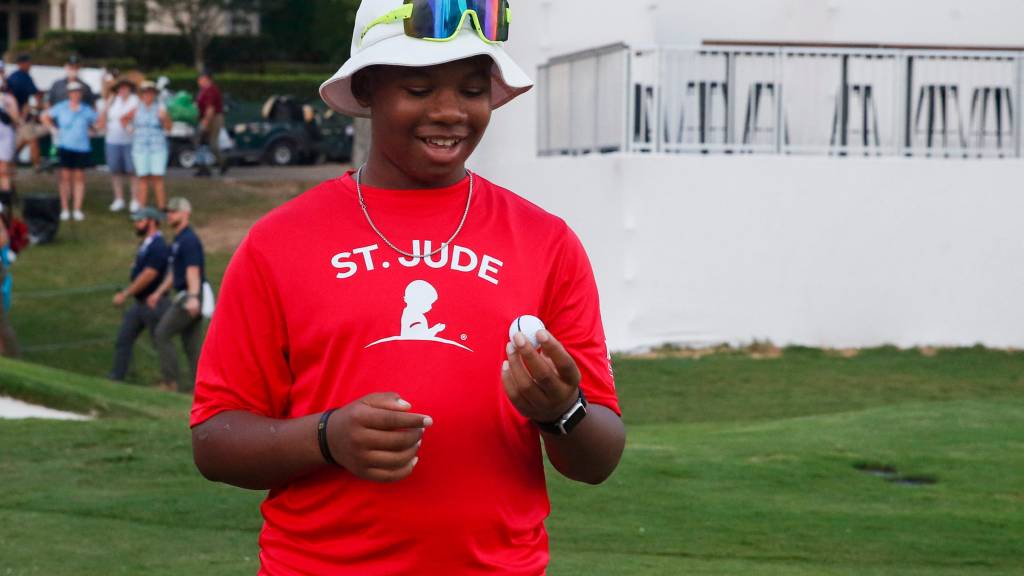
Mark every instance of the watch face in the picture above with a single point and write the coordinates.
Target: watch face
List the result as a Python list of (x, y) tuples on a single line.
[(578, 413)]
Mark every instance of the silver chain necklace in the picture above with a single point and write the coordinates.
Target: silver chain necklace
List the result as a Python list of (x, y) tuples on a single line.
[(366, 212)]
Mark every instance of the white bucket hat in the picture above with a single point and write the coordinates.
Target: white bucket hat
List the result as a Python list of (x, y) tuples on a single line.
[(387, 44)]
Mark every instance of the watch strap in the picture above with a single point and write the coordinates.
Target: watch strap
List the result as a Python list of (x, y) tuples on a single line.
[(572, 417)]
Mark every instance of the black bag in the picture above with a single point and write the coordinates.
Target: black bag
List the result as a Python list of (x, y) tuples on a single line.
[(42, 214)]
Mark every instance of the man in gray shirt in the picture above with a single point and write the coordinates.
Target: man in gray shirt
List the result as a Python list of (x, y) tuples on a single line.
[(59, 91)]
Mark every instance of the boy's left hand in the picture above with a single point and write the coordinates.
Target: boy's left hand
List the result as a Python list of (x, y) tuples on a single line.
[(542, 384)]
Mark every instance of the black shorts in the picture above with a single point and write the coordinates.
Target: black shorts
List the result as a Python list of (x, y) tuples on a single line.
[(74, 160)]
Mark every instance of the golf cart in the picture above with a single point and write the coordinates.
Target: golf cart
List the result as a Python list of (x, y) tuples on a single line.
[(282, 132), (290, 132)]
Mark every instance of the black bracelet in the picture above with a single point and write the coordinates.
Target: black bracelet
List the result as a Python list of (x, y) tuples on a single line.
[(321, 436)]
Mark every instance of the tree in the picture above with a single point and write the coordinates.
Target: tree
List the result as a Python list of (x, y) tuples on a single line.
[(200, 20), (311, 30)]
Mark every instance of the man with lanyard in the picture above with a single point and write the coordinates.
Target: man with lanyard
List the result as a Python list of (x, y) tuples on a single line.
[(211, 120), (187, 275), (147, 274), (59, 91)]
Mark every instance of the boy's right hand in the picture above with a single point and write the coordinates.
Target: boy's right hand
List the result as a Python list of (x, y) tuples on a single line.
[(376, 437)]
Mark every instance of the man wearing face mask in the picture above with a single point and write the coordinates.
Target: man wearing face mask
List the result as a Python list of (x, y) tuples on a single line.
[(59, 91), (151, 263)]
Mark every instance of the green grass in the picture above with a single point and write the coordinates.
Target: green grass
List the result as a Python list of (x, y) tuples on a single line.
[(734, 465), (83, 394), (737, 481)]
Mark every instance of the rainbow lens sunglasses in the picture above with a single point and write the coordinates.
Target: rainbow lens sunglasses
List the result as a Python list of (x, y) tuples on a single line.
[(441, 20)]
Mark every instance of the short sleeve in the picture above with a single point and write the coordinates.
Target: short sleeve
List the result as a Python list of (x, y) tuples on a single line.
[(156, 258), (572, 313), (244, 364), (190, 253)]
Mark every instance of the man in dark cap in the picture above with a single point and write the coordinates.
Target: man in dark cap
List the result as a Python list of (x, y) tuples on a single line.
[(20, 81), (151, 262), (59, 90)]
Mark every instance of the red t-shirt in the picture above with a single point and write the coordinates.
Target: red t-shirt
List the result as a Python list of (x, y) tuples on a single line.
[(316, 311), (210, 96)]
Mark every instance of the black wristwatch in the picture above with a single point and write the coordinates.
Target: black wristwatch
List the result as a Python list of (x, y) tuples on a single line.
[(572, 417)]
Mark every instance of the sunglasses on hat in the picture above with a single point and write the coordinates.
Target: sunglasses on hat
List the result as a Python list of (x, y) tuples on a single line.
[(441, 20)]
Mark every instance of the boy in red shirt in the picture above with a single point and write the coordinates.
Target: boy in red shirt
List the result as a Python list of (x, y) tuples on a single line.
[(358, 365)]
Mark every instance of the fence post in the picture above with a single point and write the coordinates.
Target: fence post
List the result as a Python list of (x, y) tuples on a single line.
[(899, 77), (572, 115), (595, 145), (542, 103), (908, 122), (780, 108), (1018, 119), (628, 72), (659, 112), (731, 98)]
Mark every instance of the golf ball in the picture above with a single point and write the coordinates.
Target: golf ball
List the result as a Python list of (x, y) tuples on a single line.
[(528, 325)]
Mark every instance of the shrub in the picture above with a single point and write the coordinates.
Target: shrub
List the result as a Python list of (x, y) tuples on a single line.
[(254, 87), (147, 51)]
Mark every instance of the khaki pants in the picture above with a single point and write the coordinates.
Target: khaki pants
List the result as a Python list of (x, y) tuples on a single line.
[(137, 317), (211, 137), (177, 321)]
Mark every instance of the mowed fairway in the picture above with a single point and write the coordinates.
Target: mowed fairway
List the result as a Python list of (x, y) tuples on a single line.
[(735, 465)]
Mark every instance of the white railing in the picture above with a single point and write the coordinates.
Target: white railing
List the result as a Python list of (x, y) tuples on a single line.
[(723, 99)]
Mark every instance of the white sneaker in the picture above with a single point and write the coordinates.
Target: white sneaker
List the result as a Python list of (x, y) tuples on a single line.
[(78, 216), (117, 206), (134, 206), (65, 215)]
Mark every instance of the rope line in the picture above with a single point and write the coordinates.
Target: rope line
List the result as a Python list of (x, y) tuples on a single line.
[(44, 294)]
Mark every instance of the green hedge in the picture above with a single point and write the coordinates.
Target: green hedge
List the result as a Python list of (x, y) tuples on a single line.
[(148, 51), (254, 87)]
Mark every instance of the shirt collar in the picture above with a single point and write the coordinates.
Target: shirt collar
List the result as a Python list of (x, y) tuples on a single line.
[(149, 240)]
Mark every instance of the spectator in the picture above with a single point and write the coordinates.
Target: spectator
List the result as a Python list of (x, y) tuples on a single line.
[(187, 275), (146, 276), (60, 91), (149, 122), (71, 120), (118, 105), (9, 117), (211, 120), (8, 342), (25, 92), (20, 81)]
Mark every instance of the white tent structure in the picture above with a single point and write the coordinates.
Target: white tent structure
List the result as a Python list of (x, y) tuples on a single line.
[(835, 250)]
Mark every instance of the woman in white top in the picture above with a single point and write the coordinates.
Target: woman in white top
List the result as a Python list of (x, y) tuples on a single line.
[(121, 102)]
